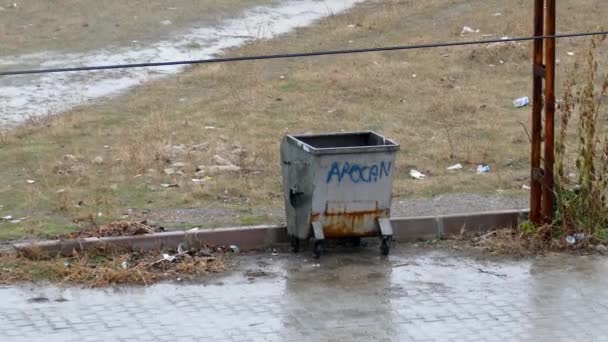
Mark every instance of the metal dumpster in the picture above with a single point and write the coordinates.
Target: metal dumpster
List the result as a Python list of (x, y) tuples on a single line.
[(338, 186)]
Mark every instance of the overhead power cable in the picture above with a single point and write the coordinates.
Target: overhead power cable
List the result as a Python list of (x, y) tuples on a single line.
[(297, 54)]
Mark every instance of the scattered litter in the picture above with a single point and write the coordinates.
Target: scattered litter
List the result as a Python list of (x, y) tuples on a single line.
[(525, 187), (99, 214), (6, 218), (575, 238), (521, 102), (275, 254), (455, 167), (234, 249), (570, 53), (170, 185), (498, 14), (30, 181), (445, 55), (166, 22), (492, 273), (182, 248), (210, 127), (193, 229), (467, 29), (485, 168), (106, 147), (316, 265), (17, 220), (67, 263), (414, 75), (125, 265), (417, 174), (282, 77), (169, 257)]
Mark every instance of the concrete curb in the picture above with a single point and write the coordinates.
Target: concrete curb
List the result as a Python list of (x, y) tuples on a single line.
[(257, 237)]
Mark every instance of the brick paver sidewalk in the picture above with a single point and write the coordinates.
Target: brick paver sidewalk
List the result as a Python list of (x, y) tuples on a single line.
[(415, 295)]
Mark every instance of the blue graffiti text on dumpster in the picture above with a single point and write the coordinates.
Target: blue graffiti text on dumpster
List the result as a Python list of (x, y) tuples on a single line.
[(358, 173)]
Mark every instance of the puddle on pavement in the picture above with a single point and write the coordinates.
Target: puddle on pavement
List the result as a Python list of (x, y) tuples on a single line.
[(22, 97), (359, 274)]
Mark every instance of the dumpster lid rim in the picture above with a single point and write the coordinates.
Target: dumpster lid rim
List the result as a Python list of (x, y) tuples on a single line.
[(391, 146)]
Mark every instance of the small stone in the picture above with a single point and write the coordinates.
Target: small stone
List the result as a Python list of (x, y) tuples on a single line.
[(199, 147), (179, 165), (219, 160), (70, 157), (601, 248), (205, 252), (98, 160)]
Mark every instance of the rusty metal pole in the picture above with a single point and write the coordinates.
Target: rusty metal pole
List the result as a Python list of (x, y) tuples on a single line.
[(548, 182), (537, 107)]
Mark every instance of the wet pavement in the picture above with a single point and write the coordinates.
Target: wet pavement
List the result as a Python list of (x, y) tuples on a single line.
[(416, 294)]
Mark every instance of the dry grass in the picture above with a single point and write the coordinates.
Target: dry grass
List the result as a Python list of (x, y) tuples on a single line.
[(443, 105), (104, 267), (79, 25)]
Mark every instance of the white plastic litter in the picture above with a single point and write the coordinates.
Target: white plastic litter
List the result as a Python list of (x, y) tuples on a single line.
[(467, 29), (417, 174), (483, 169), (234, 249), (521, 102), (455, 167), (525, 187)]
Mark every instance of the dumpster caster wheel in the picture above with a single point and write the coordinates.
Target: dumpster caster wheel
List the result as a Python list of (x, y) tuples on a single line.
[(295, 244), (385, 247), (318, 248)]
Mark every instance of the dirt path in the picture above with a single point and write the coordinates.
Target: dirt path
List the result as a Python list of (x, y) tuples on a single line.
[(34, 96)]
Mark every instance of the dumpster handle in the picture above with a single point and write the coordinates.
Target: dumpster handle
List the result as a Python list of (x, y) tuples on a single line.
[(294, 196)]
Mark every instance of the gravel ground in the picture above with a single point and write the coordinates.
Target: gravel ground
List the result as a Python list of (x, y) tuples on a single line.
[(456, 203), (402, 207)]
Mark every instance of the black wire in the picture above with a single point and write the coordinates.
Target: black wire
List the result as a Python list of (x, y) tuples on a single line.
[(296, 55)]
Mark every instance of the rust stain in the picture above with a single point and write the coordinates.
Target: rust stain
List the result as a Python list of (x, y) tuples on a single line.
[(350, 224)]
